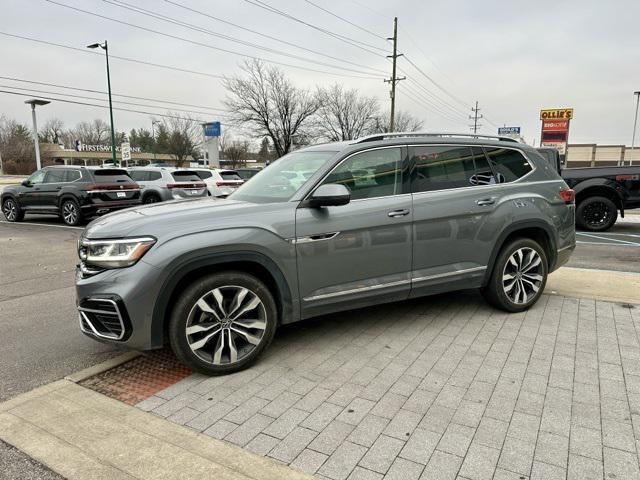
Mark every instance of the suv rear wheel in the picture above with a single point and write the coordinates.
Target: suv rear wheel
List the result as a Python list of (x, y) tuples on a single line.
[(519, 276), (70, 212), (12, 212), (222, 323), (596, 214)]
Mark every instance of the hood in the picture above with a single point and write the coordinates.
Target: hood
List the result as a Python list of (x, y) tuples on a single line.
[(168, 219)]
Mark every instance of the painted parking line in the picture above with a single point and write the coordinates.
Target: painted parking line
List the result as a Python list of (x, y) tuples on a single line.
[(608, 244), (41, 225), (609, 240)]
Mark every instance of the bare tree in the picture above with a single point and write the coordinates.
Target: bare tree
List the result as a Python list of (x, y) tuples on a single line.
[(52, 131), (344, 114), (16, 147), (268, 103), (236, 152), (405, 122), (178, 136)]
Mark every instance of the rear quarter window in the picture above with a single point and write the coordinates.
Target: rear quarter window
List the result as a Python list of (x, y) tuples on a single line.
[(204, 175), (508, 164), (111, 175), (139, 175)]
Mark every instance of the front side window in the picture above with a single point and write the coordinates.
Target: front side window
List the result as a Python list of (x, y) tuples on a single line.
[(509, 165), (282, 179), (442, 167), (37, 177), (54, 175), (370, 174)]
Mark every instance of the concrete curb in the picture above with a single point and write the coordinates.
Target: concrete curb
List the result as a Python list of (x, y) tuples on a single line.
[(606, 285), (102, 367)]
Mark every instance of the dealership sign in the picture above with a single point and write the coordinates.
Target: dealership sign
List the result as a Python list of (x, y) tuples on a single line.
[(555, 128), (509, 131), (212, 129)]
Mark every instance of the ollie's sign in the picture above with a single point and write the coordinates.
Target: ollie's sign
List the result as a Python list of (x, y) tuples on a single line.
[(555, 128)]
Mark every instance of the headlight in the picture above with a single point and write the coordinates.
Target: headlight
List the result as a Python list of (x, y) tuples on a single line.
[(114, 253)]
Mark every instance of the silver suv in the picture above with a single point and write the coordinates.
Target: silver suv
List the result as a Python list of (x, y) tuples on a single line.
[(380, 219), (160, 184)]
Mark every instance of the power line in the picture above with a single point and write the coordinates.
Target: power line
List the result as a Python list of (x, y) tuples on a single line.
[(345, 20), (126, 59), (351, 41), (436, 83), (270, 37), (105, 106), (194, 42), (406, 92), (114, 94), (165, 18), (428, 104)]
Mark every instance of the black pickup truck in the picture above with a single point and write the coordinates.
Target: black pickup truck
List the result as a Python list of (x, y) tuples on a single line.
[(601, 192)]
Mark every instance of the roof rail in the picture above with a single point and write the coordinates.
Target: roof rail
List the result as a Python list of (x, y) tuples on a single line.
[(381, 136)]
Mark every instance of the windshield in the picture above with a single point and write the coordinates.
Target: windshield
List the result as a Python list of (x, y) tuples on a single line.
[(280, 180)]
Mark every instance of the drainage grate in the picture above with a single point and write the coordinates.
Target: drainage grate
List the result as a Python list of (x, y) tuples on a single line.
[(139, 378)]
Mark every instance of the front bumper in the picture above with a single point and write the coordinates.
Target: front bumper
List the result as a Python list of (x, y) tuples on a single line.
[(117, 305)]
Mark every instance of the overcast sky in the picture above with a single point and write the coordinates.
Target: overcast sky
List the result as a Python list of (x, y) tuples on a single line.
[(513, 57)]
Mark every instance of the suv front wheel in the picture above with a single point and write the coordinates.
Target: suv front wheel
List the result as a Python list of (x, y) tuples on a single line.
[(222, 323), (519, 276)]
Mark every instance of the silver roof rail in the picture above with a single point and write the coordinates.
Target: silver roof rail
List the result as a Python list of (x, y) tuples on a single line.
[(381, 136)]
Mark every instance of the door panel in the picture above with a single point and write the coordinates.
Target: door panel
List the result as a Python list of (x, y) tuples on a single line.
[(30, 197), (53, 183), (454, 195)]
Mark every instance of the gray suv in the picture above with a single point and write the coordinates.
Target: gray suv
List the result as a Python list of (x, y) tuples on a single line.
[(379, 219), (160, 184)]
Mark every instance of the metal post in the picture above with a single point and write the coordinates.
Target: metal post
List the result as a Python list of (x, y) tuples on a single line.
[(113, 133), (635, 123), (35, 136)]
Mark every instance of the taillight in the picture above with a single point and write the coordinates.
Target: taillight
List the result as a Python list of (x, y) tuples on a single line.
[(186, 185), (567, 195), (226, 184)]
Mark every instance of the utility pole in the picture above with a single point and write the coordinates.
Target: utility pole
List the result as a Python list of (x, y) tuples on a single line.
[(475, 119), (635, 123), (393, 80)]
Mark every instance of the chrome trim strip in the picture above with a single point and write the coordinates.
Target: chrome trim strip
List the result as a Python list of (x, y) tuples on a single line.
[(315, 238), (565, 248), (114, 190), (86, 241), (95, 332), (448, 274), (357, 290)]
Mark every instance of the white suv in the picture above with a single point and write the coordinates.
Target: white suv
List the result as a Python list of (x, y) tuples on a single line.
[(220, 183)]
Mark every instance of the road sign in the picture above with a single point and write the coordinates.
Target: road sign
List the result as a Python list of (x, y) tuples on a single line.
[(125, 151), (212, 129), (508, 130)]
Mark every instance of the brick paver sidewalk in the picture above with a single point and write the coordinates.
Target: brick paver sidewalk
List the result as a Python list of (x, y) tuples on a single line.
[(437, 388)]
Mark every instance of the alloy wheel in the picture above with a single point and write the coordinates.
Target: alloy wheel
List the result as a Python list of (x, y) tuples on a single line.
[(70, 213), (10, 210), (226, 324), (523, 275), (596, 214)]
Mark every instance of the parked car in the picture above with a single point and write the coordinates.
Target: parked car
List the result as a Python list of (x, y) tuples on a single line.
[(247, 173), (220, 183), (160, 184), (602, 192), (218, 278), (71, 192)]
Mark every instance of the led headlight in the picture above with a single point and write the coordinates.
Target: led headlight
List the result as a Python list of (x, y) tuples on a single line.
[(114, 253)]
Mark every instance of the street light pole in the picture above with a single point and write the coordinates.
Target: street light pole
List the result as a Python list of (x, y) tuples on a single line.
[(153, 134), (105, 47), (33, 104), (635, 123)]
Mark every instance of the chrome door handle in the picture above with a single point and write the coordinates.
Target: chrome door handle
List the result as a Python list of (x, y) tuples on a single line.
[(398, 213), (486, 201)]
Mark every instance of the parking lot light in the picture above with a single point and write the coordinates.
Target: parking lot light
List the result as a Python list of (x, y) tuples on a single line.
[(635, 123), (33, 103)]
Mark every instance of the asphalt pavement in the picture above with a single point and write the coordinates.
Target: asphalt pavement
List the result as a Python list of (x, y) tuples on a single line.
[(618, 249)]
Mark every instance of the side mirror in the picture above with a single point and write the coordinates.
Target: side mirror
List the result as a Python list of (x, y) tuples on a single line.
[(26, 183), (330, 195)]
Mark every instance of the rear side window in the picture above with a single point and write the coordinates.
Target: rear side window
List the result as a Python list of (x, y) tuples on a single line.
[(54, 175), (452, 166), (139, 175), (111, 175), (185, 176), (153, 175), (72, 175), (509, 165), (230, 176), (204, 175)]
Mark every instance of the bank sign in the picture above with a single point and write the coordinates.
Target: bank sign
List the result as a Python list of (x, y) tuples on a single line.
[(555, 128), (82, 147)]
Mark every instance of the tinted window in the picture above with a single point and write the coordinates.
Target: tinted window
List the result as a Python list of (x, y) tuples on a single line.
[(185, 176), (73, 175), (484, 174), (230, 176), (202, 174), (54, 175), (139, 175), (153, 175), (376, 173), (508, 165), (111, 175), (37, 177), (442, 167)]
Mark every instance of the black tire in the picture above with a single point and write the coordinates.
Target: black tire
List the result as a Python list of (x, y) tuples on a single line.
[(495, 292), (70, 212), (187, 313), (596, 214), (152, 198), (11, 210)]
